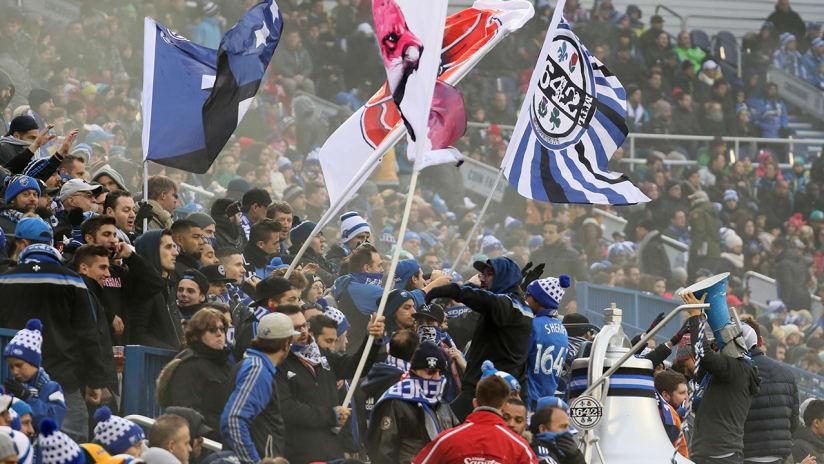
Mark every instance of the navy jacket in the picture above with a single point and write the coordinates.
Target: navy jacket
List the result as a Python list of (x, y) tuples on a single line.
[(773, 416)]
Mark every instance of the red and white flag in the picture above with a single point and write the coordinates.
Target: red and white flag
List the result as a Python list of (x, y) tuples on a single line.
[(467, 37)]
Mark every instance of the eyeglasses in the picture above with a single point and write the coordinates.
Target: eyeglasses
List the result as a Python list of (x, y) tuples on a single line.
[(217, 330)]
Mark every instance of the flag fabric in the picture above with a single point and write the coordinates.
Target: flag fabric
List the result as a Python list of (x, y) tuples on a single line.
[(194, 97), (409, 39), (468, 36), (570, 124)]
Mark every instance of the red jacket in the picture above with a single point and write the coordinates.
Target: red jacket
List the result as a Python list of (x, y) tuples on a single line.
[(483, 439)]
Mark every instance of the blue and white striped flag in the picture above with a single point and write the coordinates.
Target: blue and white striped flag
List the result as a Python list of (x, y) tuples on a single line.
[(570, 124)]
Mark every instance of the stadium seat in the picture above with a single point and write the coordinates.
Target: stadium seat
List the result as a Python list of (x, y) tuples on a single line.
[(700, 39), (725, 47)]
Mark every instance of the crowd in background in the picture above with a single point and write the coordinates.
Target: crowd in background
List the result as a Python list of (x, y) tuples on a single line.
[(81, 80)]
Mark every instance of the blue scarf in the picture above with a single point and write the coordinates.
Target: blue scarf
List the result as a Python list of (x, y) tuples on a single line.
[(368, 278), (433, 334), (397, 363), (311, 354), (416, 390), (456, 311)]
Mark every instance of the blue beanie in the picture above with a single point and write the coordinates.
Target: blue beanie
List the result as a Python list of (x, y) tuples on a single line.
[(337, 316), (549, 292), (27, 343), (394, 301), (301, 232), (275, 264), (18, 185), (488, 369), (56, 447), (552, 401), (115, 433), (405, 270), (22, 408)]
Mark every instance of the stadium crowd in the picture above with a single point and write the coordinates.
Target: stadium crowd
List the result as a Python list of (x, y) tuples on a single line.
[(262, 362)]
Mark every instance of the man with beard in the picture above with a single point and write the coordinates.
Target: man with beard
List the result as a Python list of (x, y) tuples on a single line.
[(191, 293), (131, 280), (503, 330), (307, 386), (21, 196), (120, 205), (189, 239), (412, 412)]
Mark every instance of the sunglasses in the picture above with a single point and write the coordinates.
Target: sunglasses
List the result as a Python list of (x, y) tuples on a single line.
[(217, 330)]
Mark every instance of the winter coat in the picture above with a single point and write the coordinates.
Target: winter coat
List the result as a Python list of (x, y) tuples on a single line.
[(256, 260), (380, 377), (308, 396), (129, 285), (483, 437), (157, 321), (356, 296), (251, 422), (704, 226), (399, 429), (159, 217), (787, 21), (652, 256), (327, 270), (806, 442), (336, 254), (45, 398), (791, 275), (560, 258), (42, 288), (548, 453), (14, 152), (198, 381), (719, 423), (773, 416), (104, 332), (229, 234), (503, 330), (290, 63)]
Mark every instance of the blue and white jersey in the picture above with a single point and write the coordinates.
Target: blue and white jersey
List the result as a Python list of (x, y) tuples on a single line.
[(548, 348)]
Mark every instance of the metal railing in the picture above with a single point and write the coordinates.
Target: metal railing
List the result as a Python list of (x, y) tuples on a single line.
[(672, 12)]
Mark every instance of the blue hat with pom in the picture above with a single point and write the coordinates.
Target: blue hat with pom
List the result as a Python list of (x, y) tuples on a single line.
[(275, 264), (27, 343), (56, 447), (115, 433), (488, 369), (549, 292)]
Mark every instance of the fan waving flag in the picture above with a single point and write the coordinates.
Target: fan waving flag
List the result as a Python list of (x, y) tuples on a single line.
[(194, 97), (570, 124)]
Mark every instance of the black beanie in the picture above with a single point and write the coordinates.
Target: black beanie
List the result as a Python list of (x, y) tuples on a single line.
[(22, 124)]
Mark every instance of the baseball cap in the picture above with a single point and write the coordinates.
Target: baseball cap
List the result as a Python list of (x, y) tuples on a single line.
[(271, 287), (198, 278), (34, 229), (432, 311), (215, 274), (274, 326), (77, 185)]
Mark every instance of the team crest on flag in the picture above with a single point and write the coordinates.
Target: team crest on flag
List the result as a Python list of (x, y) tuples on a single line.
[(571, 122)]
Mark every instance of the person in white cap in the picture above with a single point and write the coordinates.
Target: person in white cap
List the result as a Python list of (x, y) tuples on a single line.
[(354, 230), (77, 193), (251, 423)]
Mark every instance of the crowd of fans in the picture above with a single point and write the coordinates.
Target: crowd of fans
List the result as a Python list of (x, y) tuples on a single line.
[(263, 362)]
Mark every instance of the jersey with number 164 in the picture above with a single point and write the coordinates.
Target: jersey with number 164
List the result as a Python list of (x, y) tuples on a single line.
[(547, 352)]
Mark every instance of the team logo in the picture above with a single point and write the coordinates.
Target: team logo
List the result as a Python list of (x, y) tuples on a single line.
[(24, 181), (585, 412), (562, 102), (432, 362), (221, 270), (386, 422), (167, 35)]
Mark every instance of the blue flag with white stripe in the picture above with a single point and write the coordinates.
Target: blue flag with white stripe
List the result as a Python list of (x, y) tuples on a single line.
[(193, 96), (571, 122)]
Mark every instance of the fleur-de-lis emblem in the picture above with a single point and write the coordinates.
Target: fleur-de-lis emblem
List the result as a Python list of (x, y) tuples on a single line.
[(562, 53), (554, 118)]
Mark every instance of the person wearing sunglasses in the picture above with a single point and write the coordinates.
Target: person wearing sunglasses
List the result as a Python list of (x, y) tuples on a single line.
[(198, 375)]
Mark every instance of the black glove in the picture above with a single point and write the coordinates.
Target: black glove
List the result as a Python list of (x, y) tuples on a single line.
[(16, 388), (567, 446), (680, 334), (530, 274), (452, 291), (656, 321)]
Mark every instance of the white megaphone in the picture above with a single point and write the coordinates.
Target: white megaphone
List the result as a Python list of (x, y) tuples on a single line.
[(629, 429)]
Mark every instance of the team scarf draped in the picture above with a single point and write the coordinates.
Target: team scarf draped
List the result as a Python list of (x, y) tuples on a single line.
[(397, 363), (416, 390), (310, 353), (368, 278)]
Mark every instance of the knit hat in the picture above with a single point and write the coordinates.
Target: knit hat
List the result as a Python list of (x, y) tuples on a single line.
[(490, 244), (489, 369), (202, 220), (410, 235), (115, 433), (275, 264), (198, 278), (337, 316), (775, 306), (23, 123), (405, 270), (18, 185), (699, 197), (27, 343), (551, 401), (293, 191), (352, 224), (37, 97), (428, 356), (817, 42), (730, 194), (786, 38), (394, 301), (748, 333), (36, 250), (236, 188), (56, 447), (21, 408), (270, 287), (301, 232), (549, 292)]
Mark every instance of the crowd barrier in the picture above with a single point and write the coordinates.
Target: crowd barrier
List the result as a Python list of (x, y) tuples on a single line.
[(762, 289)]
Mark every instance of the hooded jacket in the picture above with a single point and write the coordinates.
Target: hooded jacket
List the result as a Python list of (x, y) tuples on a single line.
[(14, 152), (356, 295), (773, 415), (43, 288), (229, 234), (805, 442), (503, 330), (157, 321)]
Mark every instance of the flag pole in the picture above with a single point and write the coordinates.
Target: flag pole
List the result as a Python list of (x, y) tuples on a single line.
[(478, 220), (387, 286), (145, 191), (351, 188)]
